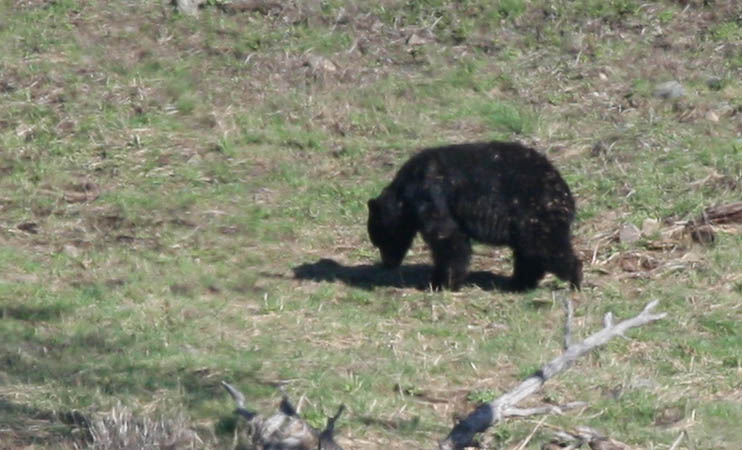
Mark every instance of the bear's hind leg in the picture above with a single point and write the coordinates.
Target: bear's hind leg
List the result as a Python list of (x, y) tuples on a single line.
[(527, 271), (560, 258), (568, 268)]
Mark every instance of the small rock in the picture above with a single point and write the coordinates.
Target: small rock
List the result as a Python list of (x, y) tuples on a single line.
[(670, 90), (711, 116), (71, 251), (642, 383), (629, 233), (5, 86), (29, 227), (630, 263), (377, 26), (598, 149), (495, 92), (416, 40), (662, 42), (602, 76), (714, 83), (194, 160), (572, 42), (669, 415), (187, 7), (497, 326), (320, 63), (650, 226), (342, 17), (181, 289), (703, 234)]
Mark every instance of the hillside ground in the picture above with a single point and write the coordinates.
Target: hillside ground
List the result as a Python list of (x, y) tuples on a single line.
[(183, 201)]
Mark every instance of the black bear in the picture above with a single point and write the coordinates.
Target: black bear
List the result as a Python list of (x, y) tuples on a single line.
[(498, 193)]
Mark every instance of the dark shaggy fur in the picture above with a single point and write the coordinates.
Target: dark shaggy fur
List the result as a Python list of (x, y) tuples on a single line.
[(497, 193)]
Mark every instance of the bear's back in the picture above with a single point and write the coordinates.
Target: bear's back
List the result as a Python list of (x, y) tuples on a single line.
[(507, 167), (487, 187)]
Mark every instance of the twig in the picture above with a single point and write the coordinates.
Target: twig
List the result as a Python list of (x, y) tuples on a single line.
[(549, 409), (677, 441), (462, 435), (239, 399), (530, 436)]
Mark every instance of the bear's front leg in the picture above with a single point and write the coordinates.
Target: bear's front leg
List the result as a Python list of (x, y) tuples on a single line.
[(451, 255), (449, 244)]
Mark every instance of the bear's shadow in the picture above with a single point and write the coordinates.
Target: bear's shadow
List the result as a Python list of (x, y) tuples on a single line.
[(369, 276)]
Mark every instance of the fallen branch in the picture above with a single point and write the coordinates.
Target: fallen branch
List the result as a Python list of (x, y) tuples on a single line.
[(462, 435), (729, 213), (285, 429), (677, 440)]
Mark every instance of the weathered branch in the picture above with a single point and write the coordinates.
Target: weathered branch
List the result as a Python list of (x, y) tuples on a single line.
[(462, 435), (239, 399), (285, 429), (548, 409)]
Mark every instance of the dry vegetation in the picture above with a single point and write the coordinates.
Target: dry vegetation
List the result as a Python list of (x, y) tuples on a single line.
[(182, 201)]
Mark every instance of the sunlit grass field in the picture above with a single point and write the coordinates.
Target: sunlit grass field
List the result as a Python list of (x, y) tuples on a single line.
[(183, 201)]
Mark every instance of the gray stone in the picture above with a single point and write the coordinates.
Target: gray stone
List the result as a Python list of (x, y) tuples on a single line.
[(629, 233), (414, 39), (187, 7), (320, 64), (650, 226), (670, 89)]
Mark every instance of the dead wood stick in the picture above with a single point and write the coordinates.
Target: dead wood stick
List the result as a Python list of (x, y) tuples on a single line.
[(677, 440), (462, 434), (530, 436), (728, 213), (548, 409)]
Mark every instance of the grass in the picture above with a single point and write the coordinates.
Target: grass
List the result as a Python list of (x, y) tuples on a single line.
[(163, 178)]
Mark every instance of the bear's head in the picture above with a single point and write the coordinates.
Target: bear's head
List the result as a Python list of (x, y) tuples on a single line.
[(389, 228)]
